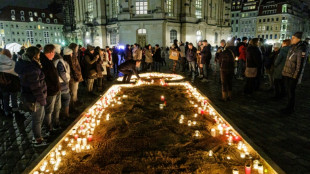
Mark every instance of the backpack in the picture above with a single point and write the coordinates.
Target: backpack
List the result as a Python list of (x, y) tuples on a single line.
[(3, 80)]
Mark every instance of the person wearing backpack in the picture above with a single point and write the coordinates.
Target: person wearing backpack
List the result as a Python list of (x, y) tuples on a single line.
[(9, 83)]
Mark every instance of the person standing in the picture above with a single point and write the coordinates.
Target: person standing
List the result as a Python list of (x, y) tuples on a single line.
[(53, 100), (226, 61), (76, 75), (9, 83), (191, 58), (269, 64), (157, 58), (91, 72), (174, 55), (115, 60), (110, 64), (183, 56), (128, 53), (99, 69), (34, 90), (63, 69), (278, 68), (293, 67), (242, 48), (205, 59), (253, 64), (149, 57)]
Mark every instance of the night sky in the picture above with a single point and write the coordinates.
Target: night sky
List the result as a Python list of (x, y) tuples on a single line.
[(25, 3)]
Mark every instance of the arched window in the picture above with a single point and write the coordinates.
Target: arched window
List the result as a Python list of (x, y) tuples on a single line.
[(173, 35), (198, 35), (198, 9), (141, 31)]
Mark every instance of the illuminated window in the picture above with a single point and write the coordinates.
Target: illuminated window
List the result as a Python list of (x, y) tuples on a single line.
[(198, 35), (31, 19), (51, 15), (198, 9), (115, 11), (173, 35), (90, 5), (170, 7), (141, 6), (35, 14), (113, 36), (284, 8), (13, 18), (142, 31)]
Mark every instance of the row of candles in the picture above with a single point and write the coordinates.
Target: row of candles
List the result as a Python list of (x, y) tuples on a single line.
[(171, 77)]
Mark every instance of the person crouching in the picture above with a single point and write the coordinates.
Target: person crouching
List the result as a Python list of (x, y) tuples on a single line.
[(128, 68)]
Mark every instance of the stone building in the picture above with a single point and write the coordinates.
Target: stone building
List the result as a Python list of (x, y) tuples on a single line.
[(113, 22), (21, 24), (236, 6), (278, 20)]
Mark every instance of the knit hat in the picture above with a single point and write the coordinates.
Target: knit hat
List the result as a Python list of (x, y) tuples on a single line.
[(298, 35), (277, 45), (57, 48), (67, 51)]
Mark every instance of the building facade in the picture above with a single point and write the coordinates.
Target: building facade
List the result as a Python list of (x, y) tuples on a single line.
[(278, 20), (36, 26), (236, 6), (249, 13), (113, 22)]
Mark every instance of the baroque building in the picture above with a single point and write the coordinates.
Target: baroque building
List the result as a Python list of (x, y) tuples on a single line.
[(113, 22)]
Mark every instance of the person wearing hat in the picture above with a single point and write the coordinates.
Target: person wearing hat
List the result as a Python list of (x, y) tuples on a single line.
[(292, 71), (63, 69), (269, 62)]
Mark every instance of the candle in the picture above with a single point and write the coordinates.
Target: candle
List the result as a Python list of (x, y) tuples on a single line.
[(213, 132), (98, 122), (76, 136), (88, 147), (52, 161), (255, 164), (228, 157), (195, 105), (235, 171), (210, 153), (52, 154), (260, 169), (182, 117), (197, 133), (240, 144), (90, 137), (107, 117), (84, 141), (92, 130), (195, 115), (248, 169), (63, 153), (162, 98), (161, 106), (181, 121), (66, 139), (42, 168), (189, 122), (79, 140), (78, 148), (194, 123), (242, 155)]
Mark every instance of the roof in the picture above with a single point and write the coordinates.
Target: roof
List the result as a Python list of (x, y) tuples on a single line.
[(6, 15)]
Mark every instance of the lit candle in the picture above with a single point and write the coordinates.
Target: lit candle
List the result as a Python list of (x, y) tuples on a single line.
[(235, 171), (66, 139), (210, 153), (197, 133), (76, 136), (98, 122), (78, 148), (90, 137), (260, 169), (248, 169), (195, 115), (242, 155), (194, 123), (228, 157), (181, 121), (189, 122), (84, 141), (213, 132), (79, 140), (161, 106), (162, 98), (240, 144), (52, 154), (92, 130), (199, 110), (182, 117), (88, 147), (63, 153), (255, 164)]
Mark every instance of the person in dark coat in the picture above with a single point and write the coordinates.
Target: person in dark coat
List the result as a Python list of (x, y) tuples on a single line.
[(157, 58), (53, 100), (10, 86), (269, 61), (293, 68), (253, 60), (115, 59), (128, 68), (33, 90), (127, 53), (205, 59), (191, 56), (278, 68), (91, 70), (226, 61)]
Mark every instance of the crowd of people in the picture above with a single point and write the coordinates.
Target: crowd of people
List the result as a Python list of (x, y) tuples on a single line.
[(48, 78)]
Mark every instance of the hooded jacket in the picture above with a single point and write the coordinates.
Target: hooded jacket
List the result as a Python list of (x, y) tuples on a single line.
[(32, 80), (7, 66), (51, 76), (63, 69)]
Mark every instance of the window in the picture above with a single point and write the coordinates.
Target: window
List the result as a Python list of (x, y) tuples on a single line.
[(22, 18), (275, 36), (13, 18), (198, 35), (141, 6), (51, 15), (267, 28), (198, 9), (237, 21), (55, 21), (232, 15), (284, 8), (232, 21), (12, 12), (170, 7), (35, 14), (277, 19), (260, 20), (31, 19), (113, 36), (142, 31), (30, 13), (43, 15), (264, 20), (1, 25), (39, 27), (90, 5), (258, 36), (47, 20), (29, 35), (46, 41), (46, 37), (266, 36), (22, 13), (270, 36), (40, 19), (17, 26), (115, 11), (236, 29), (173, 35)]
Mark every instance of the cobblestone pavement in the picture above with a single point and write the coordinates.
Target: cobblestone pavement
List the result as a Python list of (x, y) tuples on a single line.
[(285, 139)]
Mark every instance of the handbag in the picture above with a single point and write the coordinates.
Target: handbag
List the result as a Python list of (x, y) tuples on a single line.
[(250, 72)]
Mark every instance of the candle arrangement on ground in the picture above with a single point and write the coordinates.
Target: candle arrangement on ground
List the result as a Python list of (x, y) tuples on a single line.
[(153, 127), (154, 76)]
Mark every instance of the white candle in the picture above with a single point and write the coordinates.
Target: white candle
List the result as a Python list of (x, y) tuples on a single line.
[(213, 132), (240, 144), (182, 117), (194, 123), (92, 130), (195, 115), (189, 122), (66, 139), (84, 141), (88, 147), (197, 133), (79, 140), (210, 153), (52, 154), (107, 117), (255, 164), (260, 169), (199, 110), (78, 147), (235, 171), (98, 122), (63, 153), (161, 106), (228, 157), (242, 155), (181, 121)]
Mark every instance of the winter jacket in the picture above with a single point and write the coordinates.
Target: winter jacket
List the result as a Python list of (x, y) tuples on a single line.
[(63, 69), (191, 54), (7, 66), (148, 56), (182, 51), (270, 60), (242, 52), (253, 57), (227, 60), (280, 62), (32, 80), (51, 76), (129, 65), (206, 54), (99, 67), (90, 62), (75, 68), (295, 61), (157, 55), (128, 54)]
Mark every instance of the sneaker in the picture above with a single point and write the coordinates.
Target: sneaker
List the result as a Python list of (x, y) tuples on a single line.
[(39, 142), (47, 134), (204, 80)]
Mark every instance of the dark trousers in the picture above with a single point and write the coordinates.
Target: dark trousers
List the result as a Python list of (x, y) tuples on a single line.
[(183, 63), (115, 65), (127, 75), (226, 78), (157, 66), (290, 84), (279, 88), (250, 85)]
